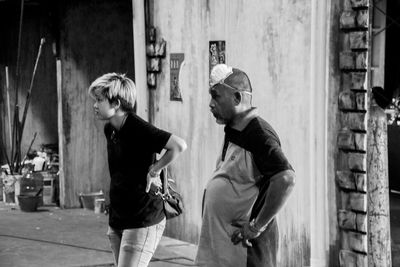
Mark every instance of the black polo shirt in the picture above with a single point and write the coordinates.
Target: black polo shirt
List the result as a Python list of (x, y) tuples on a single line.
[(130, 153)]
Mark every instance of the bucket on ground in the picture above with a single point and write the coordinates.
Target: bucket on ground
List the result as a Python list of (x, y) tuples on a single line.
[(88, 199), (28, 203)]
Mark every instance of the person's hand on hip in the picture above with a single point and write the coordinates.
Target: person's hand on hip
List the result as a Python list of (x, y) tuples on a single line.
[(153, 178)]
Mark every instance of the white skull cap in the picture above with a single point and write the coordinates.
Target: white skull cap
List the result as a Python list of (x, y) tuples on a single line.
[(219, 72)]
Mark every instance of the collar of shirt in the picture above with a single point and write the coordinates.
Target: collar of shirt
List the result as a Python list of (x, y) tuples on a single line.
[(244, 120)]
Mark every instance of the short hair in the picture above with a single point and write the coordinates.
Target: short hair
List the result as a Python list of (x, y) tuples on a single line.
[(114, 87)]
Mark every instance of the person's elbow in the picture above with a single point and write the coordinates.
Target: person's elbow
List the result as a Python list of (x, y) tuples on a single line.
[(290, 179), (177, 144), (286, 179), (182, 146)]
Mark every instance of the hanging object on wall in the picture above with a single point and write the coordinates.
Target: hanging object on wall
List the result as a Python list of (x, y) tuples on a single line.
[(155, 52), (176, 62), (217, 53)]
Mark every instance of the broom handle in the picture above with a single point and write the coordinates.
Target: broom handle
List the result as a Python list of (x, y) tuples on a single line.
[(14, 147), (29, 148), (28, 96), (8, 106)]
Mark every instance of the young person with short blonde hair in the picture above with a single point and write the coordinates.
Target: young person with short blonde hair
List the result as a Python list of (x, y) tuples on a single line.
[(136, 215)]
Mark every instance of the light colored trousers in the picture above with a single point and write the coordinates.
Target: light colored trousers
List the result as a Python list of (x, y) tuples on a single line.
[(135, 247)]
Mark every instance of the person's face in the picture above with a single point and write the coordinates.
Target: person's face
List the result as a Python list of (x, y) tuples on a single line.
[(103, 109), (222, 104)]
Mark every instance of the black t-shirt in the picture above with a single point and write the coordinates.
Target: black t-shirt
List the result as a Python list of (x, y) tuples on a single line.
[(130, 153)]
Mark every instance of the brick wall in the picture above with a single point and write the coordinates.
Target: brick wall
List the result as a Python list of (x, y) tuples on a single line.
[(351, 176)]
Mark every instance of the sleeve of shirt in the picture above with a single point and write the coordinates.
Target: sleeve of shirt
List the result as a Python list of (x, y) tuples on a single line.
[(267, 154), (154, 137)]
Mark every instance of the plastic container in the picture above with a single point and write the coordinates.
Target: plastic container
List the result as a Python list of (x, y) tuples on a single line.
[(48, 191), (99, 205), (28, 203)]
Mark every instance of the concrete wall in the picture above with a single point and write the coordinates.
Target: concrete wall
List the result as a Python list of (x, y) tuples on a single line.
[(96, 38), (282, 46), (42, 113)]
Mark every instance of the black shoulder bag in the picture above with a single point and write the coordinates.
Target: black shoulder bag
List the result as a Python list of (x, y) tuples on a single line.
[(173, 204)]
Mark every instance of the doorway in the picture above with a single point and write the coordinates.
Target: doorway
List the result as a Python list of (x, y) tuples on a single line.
[(39, 132)]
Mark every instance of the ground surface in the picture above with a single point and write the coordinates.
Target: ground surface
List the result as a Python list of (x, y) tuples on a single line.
[(53, 237)]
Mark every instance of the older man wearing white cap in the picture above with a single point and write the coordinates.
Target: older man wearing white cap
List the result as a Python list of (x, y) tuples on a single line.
[(250, 184)]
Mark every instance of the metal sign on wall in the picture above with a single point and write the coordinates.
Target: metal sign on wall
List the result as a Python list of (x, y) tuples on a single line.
[(176, 60), (217, 53)]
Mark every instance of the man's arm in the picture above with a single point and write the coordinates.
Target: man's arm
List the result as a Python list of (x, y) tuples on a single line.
[(174, 147), (280, 187)]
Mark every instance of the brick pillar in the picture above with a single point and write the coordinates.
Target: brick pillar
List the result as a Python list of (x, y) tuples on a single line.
[(351, 176)]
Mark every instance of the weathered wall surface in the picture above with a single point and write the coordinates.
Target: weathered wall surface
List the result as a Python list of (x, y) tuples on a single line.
[(96, 38), (42, 113), (270, 40), (333, 124)]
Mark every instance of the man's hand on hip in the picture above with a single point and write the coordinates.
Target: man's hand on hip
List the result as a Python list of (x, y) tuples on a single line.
[(245, 233)]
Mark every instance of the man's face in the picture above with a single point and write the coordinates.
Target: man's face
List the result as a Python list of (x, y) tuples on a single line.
[(222, 103)]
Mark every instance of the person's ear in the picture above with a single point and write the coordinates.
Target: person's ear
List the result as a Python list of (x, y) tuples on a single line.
[(238, 98), (116, 104)]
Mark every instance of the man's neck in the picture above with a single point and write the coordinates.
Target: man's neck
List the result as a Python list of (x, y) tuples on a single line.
[(242, 118)]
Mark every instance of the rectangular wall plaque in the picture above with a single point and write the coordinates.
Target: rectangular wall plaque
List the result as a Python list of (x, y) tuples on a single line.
[(176, 60)]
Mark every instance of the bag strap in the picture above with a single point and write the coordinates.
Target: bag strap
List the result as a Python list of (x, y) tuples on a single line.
[(164, 178), (165, 181)]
